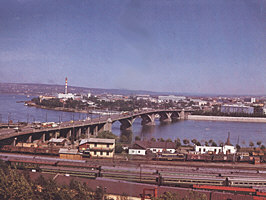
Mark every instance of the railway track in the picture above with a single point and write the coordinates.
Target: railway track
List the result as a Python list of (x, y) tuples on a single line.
[(145, 173)]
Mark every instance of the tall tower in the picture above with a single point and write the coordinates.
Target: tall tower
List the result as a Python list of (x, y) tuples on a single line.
[(66, 86)]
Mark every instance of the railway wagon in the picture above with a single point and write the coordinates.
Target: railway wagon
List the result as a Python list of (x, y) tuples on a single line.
[(182, 181), (244, 182), (199, 157), (248, 159), (85, 173), (29, 164), (78, 165), (170, 156), (223, 158), (30, 150), (240, 190)]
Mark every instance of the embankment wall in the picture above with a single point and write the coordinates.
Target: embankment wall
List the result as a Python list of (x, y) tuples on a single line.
[(229, 119)]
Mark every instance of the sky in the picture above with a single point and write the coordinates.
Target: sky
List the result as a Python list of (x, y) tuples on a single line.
[(208, 47)]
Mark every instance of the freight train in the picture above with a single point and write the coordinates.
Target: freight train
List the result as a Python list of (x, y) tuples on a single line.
[(142, 175), (209, 157)]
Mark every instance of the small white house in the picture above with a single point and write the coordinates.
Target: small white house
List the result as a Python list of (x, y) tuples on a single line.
[(137, 152), (140, 147), (226, 149)]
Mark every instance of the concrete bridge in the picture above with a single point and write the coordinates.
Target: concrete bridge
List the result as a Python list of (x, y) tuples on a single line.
[(75, 130)]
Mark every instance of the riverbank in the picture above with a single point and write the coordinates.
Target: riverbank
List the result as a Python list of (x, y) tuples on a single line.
[(229, 119), (56, 108), (95, 112)]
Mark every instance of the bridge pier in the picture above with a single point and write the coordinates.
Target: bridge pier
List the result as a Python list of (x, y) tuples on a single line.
[(183, 115), (148, 119), (175, 116), (78, 134), (29, 140), (69, 134), (88, 132), (165, 116), (108, 126), (14, 142), (94, 130), (43, 137), (126, 124)]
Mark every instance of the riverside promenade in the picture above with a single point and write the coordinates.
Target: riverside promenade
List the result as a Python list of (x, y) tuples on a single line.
[(229, 119)]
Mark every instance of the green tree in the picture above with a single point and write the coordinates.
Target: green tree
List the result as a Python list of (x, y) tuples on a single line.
[(178, 143), (185, 141), (107, 134), (214, 144), (259, 143), (14, 186), (153, 139), (194, 141), (193, 195), (169, 140), (168, 196), (118, 148), (123, 139), (137, 138), (251, 144)]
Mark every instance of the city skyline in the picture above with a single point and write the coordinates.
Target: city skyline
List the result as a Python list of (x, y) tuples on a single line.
[(164, 46)]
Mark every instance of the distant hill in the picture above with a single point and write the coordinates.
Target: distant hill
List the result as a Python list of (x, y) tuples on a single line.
[(47, 89)]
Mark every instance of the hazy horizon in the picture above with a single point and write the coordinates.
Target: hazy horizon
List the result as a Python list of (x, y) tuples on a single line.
[(197, 47)]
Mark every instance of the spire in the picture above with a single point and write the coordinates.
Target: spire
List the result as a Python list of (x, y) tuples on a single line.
[(228, 140)]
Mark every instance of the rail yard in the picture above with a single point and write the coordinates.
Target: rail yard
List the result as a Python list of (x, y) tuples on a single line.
[(237, 179)]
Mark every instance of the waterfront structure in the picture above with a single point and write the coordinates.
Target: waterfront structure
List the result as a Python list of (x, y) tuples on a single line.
[(97, 147), (141, 147), (234, 108)]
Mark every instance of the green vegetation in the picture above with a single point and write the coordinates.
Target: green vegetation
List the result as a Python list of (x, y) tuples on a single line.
[(193, 195), (120, 105), (107, 135), (15, 184)]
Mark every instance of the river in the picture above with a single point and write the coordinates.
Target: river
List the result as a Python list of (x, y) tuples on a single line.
[(183, 129)]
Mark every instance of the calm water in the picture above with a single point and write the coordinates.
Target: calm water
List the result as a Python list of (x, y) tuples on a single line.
[(201, 130)]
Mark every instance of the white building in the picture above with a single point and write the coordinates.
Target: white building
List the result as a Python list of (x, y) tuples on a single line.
[(226, 149), (141, 147), (199, 102), (65, 96)]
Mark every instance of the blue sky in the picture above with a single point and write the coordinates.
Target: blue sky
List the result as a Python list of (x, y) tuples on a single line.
[(166, 45)]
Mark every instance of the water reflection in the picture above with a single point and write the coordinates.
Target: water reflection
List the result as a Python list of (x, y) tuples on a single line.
[(147, 132)]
